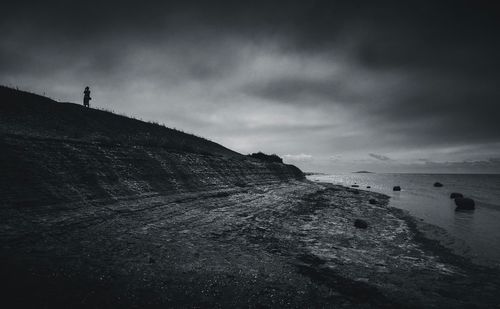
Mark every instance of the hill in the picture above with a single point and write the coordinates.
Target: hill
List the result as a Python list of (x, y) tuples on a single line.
[(62, 152), (33, 115)]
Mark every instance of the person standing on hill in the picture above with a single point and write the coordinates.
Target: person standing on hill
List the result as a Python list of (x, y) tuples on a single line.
[(86, 97)]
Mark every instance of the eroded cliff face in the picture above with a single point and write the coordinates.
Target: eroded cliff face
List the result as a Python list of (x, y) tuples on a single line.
[(40, 171), (53, 153)]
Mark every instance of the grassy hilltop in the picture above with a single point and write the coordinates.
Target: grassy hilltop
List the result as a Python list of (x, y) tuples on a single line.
[(28, 114)]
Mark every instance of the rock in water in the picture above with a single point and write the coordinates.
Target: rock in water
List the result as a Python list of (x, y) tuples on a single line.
[(355, 186), (372, 201), (368, 187), (396, 188), (438, 184), (360, 224), (456, 195), (464, 203)]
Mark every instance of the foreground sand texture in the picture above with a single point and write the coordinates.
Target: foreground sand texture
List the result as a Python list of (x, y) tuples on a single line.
[(289, 244), (92, 218)]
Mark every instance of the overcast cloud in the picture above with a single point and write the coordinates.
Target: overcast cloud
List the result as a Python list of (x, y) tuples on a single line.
[(328, 85)]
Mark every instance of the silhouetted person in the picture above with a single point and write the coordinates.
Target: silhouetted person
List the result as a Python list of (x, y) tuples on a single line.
[(86, 97)]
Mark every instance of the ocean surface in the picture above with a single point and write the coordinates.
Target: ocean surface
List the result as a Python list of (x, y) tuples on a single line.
[(475, 234)]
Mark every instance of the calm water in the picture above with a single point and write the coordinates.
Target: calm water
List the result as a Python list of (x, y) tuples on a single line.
[(475, 234)]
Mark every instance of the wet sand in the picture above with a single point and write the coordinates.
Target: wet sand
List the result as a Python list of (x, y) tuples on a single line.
[(289, 244)]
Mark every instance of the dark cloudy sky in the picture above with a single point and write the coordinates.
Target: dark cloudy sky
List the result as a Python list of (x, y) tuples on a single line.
[(329, 85)]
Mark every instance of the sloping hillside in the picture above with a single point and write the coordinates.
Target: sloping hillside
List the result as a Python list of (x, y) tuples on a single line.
[(61, 152), (28, 114)]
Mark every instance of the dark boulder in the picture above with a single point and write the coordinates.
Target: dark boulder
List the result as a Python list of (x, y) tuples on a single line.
[(360, 224), (372, 201), (464, 203), (438, 184), (368, 187), (396, 188), (456, 195)]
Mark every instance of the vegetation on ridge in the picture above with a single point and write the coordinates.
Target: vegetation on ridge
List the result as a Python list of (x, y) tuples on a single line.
[(28, 114), (274, 158)]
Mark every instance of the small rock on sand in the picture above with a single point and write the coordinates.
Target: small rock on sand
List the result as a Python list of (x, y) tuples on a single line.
[(360, 224)]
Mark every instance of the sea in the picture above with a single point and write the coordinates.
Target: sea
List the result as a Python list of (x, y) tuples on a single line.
[(474, 234)]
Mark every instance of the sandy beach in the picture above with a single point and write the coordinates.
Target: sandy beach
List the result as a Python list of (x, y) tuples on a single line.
[(282, 245)]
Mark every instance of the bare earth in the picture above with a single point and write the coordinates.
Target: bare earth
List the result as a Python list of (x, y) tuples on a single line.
[(289, 244)]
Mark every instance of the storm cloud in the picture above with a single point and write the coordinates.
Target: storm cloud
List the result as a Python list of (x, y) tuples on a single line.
[(413, 80)]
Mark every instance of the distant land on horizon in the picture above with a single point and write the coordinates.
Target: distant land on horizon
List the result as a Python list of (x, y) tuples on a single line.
[(363, 172)]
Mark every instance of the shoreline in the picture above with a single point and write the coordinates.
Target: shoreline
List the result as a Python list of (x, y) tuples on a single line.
[(471, 234), (290, 244)]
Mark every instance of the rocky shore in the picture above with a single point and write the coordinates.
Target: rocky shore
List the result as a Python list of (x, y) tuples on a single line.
[(289, 244)]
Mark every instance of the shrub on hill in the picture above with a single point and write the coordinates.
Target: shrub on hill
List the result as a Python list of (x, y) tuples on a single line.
[(265, 157)]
